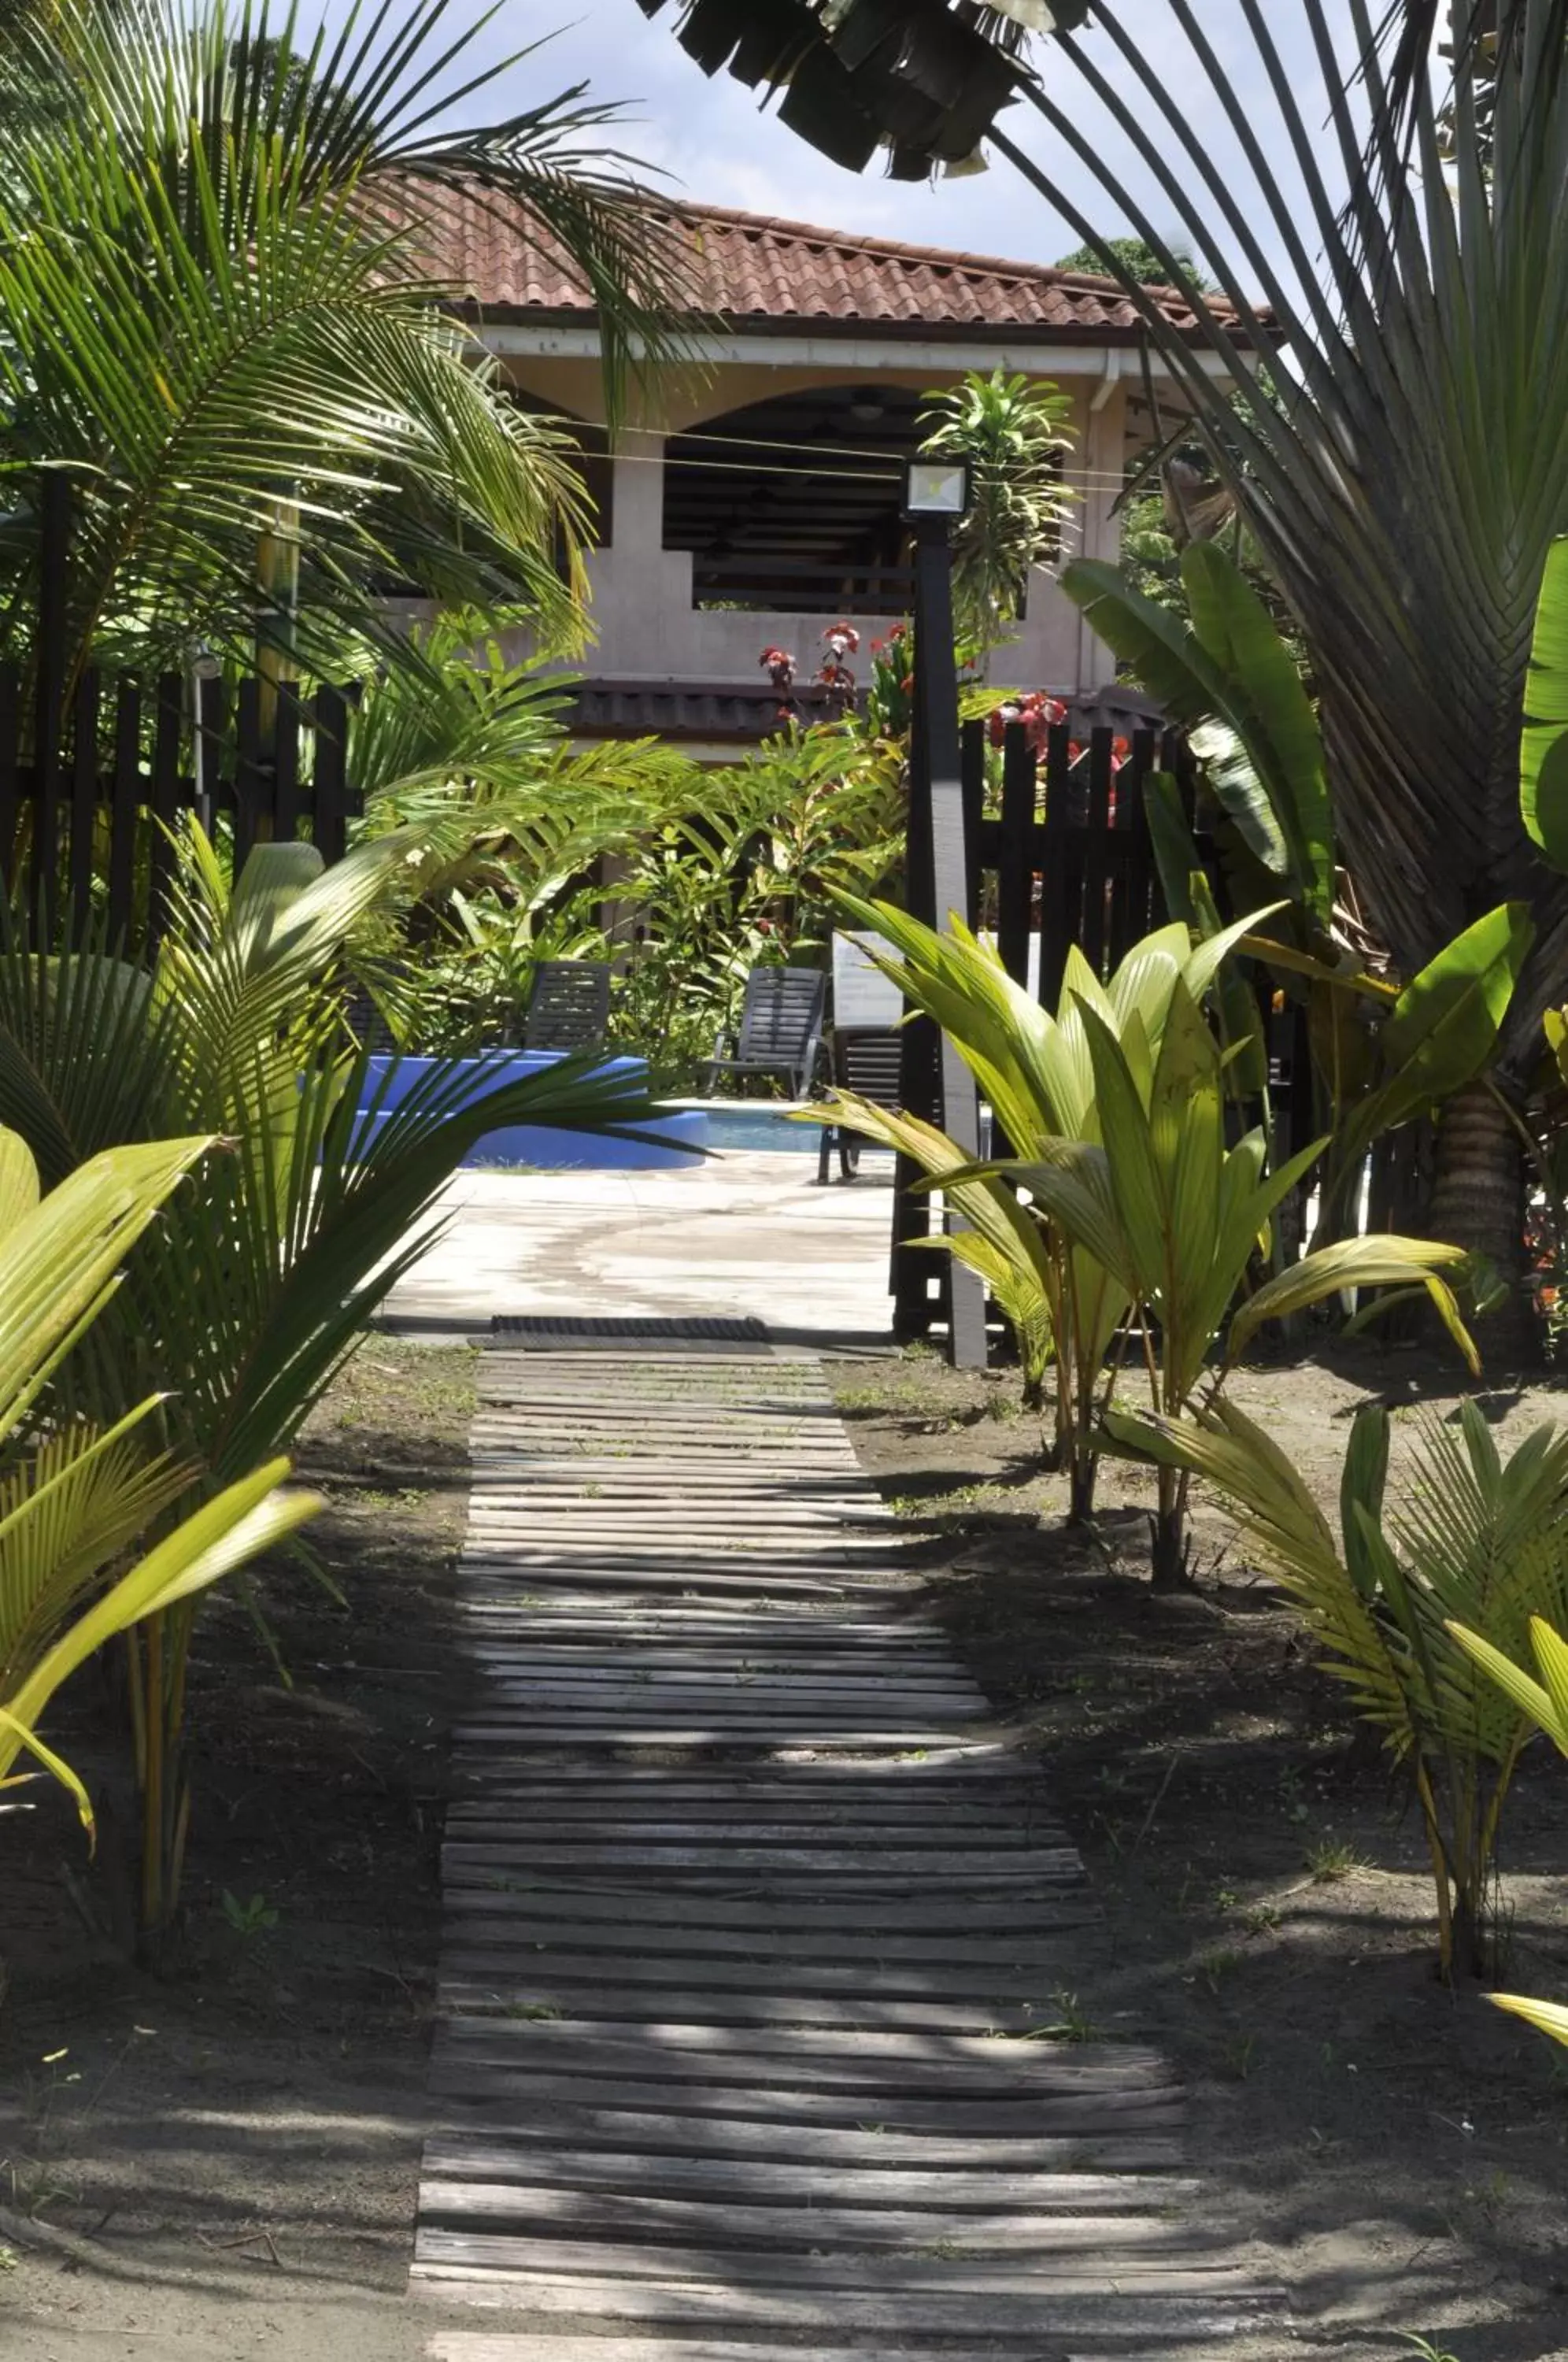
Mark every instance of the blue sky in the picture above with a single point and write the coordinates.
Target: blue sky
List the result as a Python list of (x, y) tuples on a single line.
[(713, 141)]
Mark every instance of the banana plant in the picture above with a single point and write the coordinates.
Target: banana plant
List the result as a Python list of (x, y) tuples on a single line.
[(1474, 1542), (1227, 674), (1177, 1217), (247, 1295), (76, 1498), (1544, 1702)]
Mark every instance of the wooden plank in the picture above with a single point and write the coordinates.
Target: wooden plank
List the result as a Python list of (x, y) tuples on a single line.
[(806, 2059), (286, 764), (476, 1914), (124, 811), (726, 1858), (331, 802), (711, 1732), (950, 2192), (163, 796), (82, 856), (578, 1823), (910, 2273), (1200, 2305), (51, 649), (599, 2101), (1105, 2151), (471, 1981), (486, 2345), (252, 773), (686, 2039), (1006, 1917), (10, 767), (531, 2208)]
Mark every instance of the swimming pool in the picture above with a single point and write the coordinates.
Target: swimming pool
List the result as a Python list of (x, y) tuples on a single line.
[(761, 1125)]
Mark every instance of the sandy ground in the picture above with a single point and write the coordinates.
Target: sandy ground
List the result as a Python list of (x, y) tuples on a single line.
[(1396, 2152)]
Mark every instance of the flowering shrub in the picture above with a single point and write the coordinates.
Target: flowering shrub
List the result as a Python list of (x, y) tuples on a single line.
[(840, 642), (1039, 713)]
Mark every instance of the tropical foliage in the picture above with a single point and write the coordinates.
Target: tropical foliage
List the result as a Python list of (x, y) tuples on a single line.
[(249, 1294), (1012, 433), (1386, 1049), (1542, 1699), (1405, 474), (225, 309), (928, 96), (1474, 1541), (76, 1498), (1116, 1112)]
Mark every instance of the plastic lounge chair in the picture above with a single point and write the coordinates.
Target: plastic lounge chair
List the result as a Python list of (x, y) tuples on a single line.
[(780, 1028), (865, 1059), (569, 1006)]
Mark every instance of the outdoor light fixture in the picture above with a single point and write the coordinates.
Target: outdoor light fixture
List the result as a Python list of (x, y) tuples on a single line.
[(866, 405), (935, 488)]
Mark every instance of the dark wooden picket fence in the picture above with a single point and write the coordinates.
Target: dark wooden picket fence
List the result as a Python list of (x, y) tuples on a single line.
[(1069, 856), (95, 772)]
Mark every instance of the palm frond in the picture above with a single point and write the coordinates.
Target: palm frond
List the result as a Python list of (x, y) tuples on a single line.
[(1396, 432)]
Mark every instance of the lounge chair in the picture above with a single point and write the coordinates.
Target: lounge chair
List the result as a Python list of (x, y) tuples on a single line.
[(569, 1006), (780, 1029), (863, 1059)]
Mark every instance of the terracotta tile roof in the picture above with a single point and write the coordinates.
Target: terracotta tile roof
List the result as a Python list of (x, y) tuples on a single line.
[(765, 275)]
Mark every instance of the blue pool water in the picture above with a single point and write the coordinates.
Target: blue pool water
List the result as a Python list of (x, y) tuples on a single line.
[(759, 1126), (677, 1138)]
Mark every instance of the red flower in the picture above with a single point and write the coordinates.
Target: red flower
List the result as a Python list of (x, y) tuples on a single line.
[(843, 639), (1121, 749)]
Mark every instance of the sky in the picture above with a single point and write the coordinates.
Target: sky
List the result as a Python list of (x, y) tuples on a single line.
[(715, 144)]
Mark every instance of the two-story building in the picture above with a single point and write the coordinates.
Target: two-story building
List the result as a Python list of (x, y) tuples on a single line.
[(761, 501)]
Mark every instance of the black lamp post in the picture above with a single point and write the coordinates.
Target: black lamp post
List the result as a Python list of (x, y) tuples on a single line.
[(933, 1080)]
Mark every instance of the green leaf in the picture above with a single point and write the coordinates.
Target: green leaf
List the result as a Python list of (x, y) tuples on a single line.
[(19, 1735), (1547, 2017), (1543, 745), (1377, 1260), (1270, 713), (1532, 1699), (1443, 1029), (1166, 658)]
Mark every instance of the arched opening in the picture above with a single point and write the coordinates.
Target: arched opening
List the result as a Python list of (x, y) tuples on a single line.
[(793, 504)]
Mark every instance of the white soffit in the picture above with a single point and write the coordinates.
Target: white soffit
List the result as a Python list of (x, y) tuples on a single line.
[(1035, 358)]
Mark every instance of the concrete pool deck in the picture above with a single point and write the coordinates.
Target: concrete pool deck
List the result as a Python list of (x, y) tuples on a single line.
[(747, 1233)]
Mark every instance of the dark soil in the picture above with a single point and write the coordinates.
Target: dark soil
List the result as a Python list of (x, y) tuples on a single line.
[(1398, 2152), (239, 2131)]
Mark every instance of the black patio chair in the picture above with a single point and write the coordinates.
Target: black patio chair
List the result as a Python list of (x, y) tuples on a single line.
[(780, 1029), (569, 1006), (863, 1059)]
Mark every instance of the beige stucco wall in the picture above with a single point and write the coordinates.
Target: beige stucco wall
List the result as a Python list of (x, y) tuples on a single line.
[(646, 627)]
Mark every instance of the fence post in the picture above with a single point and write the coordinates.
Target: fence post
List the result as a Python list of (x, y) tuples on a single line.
[(54, 551)]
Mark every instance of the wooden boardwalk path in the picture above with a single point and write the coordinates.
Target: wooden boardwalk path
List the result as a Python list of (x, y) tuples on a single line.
[(754, 1926)]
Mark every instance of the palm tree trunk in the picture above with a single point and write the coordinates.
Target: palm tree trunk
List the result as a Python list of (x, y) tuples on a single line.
[(1478, 1202)]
